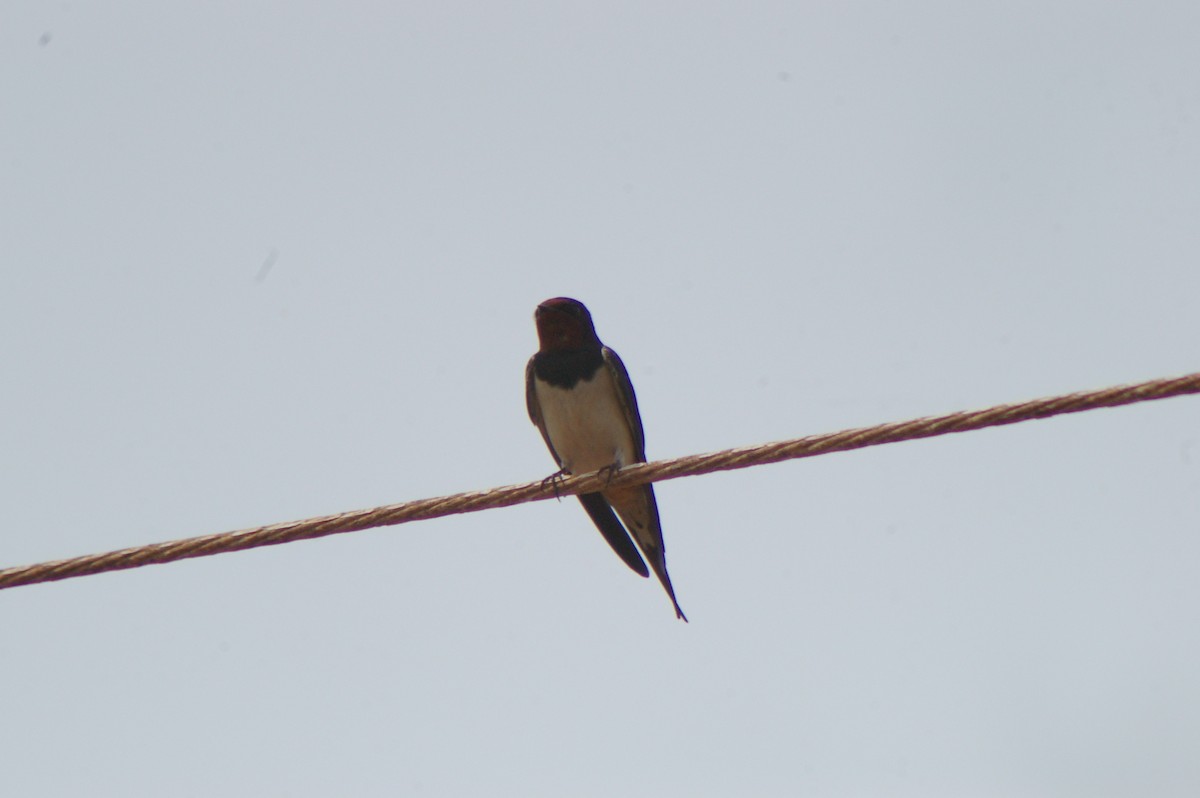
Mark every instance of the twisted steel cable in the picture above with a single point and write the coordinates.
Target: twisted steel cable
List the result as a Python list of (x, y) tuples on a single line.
[(659, 470)]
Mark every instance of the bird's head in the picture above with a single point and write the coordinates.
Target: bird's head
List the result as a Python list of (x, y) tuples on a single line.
[(564, 324)]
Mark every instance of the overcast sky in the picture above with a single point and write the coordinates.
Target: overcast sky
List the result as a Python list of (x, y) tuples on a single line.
[(272, 260)]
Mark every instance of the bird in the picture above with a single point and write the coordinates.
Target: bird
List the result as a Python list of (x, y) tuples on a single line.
[(579, 396)]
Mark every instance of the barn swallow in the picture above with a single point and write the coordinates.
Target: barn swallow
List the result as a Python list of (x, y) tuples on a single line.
[(579, 396)]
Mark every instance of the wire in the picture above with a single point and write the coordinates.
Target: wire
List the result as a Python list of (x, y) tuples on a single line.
[(656, 471)]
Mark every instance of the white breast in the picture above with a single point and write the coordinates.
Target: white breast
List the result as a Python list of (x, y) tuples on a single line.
[(586, 424)]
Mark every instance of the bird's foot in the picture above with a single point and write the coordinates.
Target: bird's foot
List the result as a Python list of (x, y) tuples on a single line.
[(553, 480), (608, 472)]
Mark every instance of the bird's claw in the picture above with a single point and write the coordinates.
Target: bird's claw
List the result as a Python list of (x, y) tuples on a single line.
[(553, 480), (609, 471)]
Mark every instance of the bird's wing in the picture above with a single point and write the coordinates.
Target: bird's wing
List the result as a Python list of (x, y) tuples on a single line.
[(535, 409), (628, 400), (636, 505)]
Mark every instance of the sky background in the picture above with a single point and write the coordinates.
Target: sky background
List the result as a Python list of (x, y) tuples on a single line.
[(272, 260)]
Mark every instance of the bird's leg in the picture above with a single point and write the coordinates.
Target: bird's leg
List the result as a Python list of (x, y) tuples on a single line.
[(554, 479), (609, 471)]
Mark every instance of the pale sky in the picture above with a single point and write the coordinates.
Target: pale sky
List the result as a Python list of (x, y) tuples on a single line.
[(273, 260)]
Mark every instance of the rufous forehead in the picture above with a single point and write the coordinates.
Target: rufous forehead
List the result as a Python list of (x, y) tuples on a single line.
[(562, 303)]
